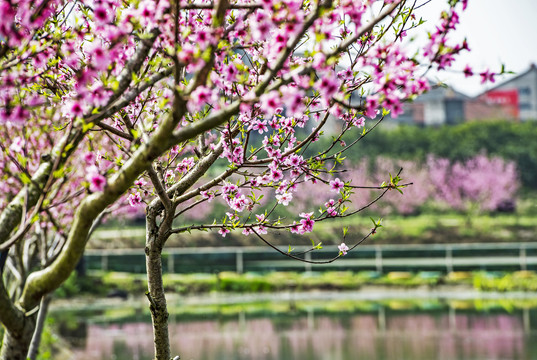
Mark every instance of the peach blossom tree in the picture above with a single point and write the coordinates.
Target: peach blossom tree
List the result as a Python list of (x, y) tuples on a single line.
[(109, 107)]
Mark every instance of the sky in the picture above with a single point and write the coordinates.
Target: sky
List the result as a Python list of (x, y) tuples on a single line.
[(498, 32)]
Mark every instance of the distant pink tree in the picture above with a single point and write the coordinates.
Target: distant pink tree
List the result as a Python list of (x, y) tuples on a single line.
[(475, 185), (415, 195)]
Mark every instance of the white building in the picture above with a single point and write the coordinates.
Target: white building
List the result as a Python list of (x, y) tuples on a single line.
[(520, 92)]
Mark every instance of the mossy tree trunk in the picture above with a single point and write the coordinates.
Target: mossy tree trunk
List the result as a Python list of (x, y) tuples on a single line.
[(16, 343)]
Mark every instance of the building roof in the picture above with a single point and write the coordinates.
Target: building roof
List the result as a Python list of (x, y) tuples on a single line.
[(533, 68)]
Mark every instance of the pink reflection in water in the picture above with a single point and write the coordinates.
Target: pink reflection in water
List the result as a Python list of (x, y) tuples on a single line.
[(363, 336)]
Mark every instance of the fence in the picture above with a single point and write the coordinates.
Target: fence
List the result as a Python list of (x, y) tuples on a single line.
[(438, 257)]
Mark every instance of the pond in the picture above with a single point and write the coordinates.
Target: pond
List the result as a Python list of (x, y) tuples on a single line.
[(394, 329)]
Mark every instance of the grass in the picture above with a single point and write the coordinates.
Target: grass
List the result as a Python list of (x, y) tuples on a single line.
[(434, 228), (99, 283)]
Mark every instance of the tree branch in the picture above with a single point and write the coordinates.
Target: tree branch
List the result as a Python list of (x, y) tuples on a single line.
[(10, 316), (44, 281)]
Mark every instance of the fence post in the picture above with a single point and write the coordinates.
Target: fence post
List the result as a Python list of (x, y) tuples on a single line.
[(382, 319), (449, 259), (171, 263), (452, 319), (378, 258), (523, 262), (104, 262), (307, 265), (526, 320), (239, 262)]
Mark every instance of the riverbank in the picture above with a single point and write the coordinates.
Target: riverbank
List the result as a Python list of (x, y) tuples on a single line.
[(124, 285)]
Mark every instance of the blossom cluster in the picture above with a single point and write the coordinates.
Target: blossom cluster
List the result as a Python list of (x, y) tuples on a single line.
[(92, 80)]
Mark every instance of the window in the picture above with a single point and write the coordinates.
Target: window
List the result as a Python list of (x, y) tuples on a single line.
[(524, 91)]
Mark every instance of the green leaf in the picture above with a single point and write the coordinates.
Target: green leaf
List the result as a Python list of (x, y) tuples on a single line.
[(58, 173), (25, 178), (135, 133), (35, 218), (68, 147), (86, 127)]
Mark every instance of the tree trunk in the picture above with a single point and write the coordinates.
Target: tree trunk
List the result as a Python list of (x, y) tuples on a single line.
[(15, 346), (157, 299), (158, 307)]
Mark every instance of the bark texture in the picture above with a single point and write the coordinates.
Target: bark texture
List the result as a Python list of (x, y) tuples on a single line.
[(155, 294), (15, 345)]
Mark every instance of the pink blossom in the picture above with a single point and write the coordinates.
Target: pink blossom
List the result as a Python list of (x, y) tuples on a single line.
[(96, 180), (293, 99), (371, 105), (343, 249), (100, 58), (270, 102), (140, 182), (185, 165), (468, 71), (207, 195), (331, 211), (328, 86), (76, 109), (284, 198), (260, 126), (100, 14), (17, 145), (134, 199), (295, 228), (487, 76), (360, 122), (336, 185), (306, 224), (199, 97), (261, 229), (276, 175), (89, 158), (232, 216), (169, 176), (19, 114)]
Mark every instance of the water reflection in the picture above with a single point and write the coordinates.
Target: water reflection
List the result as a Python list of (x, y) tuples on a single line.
[(384, 334)]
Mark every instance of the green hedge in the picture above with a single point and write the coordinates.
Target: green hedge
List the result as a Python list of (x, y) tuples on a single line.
[(507, 139), (99, 283)]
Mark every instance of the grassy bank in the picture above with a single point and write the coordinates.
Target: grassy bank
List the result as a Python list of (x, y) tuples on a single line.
[(102, 284)]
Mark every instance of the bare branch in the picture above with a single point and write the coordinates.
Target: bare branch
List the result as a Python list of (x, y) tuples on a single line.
[(159, 187)]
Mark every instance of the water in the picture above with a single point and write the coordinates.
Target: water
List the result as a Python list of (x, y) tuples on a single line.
[(395, 330)]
